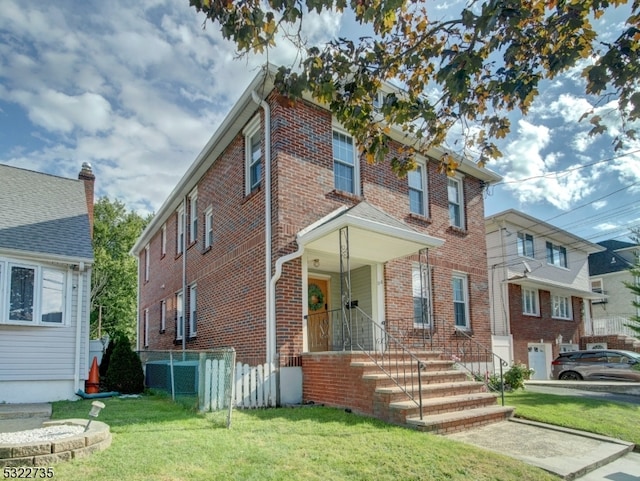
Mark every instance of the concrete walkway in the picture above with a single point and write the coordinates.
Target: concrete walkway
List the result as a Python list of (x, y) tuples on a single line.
[(21, 417)]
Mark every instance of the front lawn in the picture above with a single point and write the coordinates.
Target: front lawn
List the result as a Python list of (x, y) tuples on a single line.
[(155, 439), (608, 418)]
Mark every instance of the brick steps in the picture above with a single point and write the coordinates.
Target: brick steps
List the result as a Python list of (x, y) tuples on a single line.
[(449, 422), (450, 400)]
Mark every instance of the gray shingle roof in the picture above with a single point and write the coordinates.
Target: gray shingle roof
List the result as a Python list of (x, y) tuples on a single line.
[(41, 213), (609, 261)]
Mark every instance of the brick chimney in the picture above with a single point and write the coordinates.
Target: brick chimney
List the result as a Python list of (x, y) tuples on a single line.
[(86, 175)]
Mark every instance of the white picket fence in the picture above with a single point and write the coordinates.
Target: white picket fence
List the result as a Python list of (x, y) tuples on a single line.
[(213, 388), (255, 387)]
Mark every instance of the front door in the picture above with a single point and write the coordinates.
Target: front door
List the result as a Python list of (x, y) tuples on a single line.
[(318, 321)]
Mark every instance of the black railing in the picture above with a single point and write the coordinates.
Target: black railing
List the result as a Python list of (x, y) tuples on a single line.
[(352, 329)]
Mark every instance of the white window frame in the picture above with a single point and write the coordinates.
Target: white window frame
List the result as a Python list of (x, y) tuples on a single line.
[(252, 129), (193, 312), (561, 307), (146, 263), (163, 315), (163, 240), (523, 242), (558, 252), (39, 298), (146, 328), (193, 216), (180, 230), (425, 294), (423, 189), (208, 227), (464, 278), (458, 201), (530, 302), (179, 300), (355, 187)]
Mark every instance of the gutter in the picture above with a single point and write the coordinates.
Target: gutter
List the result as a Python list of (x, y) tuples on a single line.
[(270, 298)]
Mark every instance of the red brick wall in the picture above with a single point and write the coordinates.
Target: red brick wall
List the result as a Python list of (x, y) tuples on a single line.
[(231, 275), (526, 329)]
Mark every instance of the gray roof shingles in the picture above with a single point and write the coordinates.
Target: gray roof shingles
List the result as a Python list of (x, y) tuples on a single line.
[(45, 214), (609, 261)]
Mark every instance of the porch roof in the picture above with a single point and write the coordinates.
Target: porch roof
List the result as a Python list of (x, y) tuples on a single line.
[(554, 287), (374, 235)]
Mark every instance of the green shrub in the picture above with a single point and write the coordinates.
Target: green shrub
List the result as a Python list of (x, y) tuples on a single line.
[(516, 375), (124, 373)]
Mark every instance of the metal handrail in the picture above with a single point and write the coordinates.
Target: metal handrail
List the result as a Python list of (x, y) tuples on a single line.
[(391, 356), (470, 351)]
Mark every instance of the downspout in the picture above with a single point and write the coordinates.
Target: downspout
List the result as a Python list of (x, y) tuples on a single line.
[(184, 272), (270, 298), (76, 373)]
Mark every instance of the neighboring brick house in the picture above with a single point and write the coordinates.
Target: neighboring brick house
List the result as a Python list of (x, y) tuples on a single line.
[(540, 295), (46, 258), (213, 273), (609, 271)]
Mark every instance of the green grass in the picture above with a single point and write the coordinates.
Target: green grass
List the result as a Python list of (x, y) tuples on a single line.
[(614, 419), (155, 439)]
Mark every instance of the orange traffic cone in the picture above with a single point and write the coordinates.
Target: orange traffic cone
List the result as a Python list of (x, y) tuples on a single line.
[(92, 385)]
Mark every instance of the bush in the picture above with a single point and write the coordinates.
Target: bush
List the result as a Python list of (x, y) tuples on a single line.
[(516, 375), (124, 373)]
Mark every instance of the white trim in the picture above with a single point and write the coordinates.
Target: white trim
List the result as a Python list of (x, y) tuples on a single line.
[(163, 240), (458, 180), (336, 128), (566, 304), (536, 298), (252, 128), (146, 328), (193, 216), (163, 315), (208, 227), (415, 268), (424, 179), (180, 227), (179, 301), (464, 277), (146, 263), (193, 310)]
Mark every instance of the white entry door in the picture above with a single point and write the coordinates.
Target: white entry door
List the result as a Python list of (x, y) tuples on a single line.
[(538, 361)]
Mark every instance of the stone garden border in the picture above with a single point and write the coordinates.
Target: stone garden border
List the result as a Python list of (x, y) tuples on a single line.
[(46, 453)]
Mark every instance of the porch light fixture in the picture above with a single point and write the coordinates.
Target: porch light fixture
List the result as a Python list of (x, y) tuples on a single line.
[(96, 407), (316, 262)]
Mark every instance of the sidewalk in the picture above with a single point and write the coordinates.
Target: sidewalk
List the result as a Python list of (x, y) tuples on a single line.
[(567, 453)]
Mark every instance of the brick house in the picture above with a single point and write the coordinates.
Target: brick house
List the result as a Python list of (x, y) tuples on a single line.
[(348, 248), (539, 283), (46, 259)]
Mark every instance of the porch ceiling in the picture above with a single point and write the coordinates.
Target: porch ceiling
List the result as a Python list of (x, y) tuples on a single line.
[(374, 236)]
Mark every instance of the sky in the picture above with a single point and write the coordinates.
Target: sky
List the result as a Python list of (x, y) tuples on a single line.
[(137, 89)]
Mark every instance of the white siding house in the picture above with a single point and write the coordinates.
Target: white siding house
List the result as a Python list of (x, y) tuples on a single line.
[(46, 258)]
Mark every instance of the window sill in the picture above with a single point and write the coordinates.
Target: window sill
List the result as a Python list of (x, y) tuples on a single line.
[(206, 249), (419, 218), (192, 244), (33, 324), (162, 256), (562, 319), (162, 331), (347, 195), (177, 341), (463, 331), (178, 256), (192, 338), (458, 230), (252, 194)]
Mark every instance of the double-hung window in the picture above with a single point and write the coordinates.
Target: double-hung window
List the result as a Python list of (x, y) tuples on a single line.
[(208, 227), (421, 287), (460, 300), (193, 302), (163, 315), (525, 245), (556, 255), (561, 307), (530, 302), (32, 294), (146, 328), (253, 155), (418, 190), (146, 263), (163, 240), (456, 202), (345, 165), (193, 216), (180, 229), (179, 315)]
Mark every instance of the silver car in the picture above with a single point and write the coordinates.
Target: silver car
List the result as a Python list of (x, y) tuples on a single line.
[(606, 364)]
